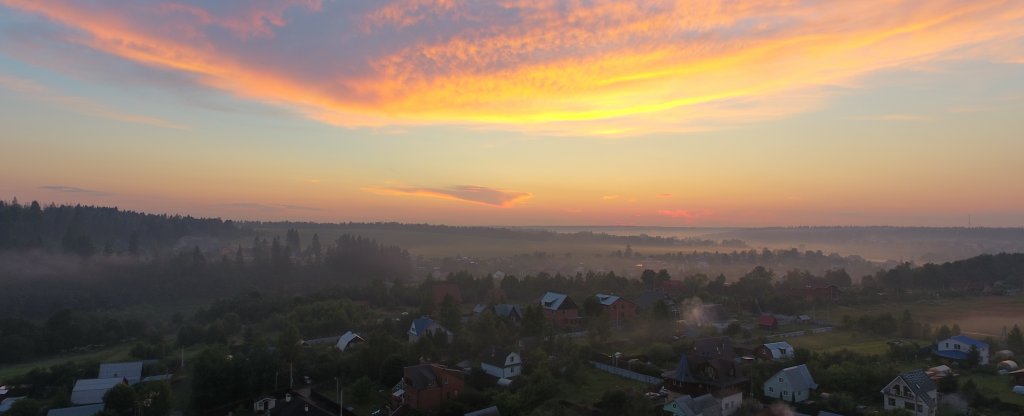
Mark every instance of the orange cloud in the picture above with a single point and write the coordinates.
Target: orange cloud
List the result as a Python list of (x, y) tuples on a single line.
[(687, 215), (610, 68), (480, 195), (664, 196)]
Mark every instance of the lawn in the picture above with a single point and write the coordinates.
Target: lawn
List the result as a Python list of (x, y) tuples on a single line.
[(977, 316), (837, 340), (110, 354), (597, 382), (994, 385)]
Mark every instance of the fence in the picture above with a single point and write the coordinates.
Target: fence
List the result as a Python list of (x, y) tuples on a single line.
[(624, 373)]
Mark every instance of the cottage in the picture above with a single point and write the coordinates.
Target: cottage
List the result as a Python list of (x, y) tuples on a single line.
[(347, 340), (264, 404), (425, 387), (502, 363), (130, 371), (508, 311), (705, 405), (616, 308), (710, 368), (774, 351), (913, 391), (91, 390), (792, 384), (767, 322), (560, 310), (957, 348), (424, 326)]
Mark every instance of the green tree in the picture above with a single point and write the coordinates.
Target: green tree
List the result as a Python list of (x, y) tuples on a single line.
[(155, 399), (592, 307), (25, 407), (120, 401), (1015, 340), (362, 390), (289, 344), (943, 333), (661, 311), (533, 321), (956, 329), (450, 315)]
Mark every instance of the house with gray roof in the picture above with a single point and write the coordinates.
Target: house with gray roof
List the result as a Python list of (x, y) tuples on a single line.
[(774, 351), (705, 405), (91, 390), (131, 371), (913, 391), (792, 384)]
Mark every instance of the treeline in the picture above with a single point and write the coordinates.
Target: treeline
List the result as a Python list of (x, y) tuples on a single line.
[(504, 233), (88, 230), (65, 330), (194, 274), (996, 273)]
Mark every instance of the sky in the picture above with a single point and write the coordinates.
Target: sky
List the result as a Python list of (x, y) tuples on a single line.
[(689, 113)]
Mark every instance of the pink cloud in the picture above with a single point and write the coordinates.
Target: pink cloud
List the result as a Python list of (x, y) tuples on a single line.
[(479, 195)]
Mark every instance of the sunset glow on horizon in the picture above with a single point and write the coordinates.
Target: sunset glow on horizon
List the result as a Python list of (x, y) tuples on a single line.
[(753, 113)]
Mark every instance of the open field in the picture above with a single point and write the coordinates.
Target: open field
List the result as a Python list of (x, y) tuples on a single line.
[(596, 384), (109, 354), (995, 385), (834, 341), (977, 316)]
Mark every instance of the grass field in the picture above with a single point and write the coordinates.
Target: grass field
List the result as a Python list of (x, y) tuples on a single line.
[(977, 316), (995, 385), (109, 354), (834, 341), (596, 384)]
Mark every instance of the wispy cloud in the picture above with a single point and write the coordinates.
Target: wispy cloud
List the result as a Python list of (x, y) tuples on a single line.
[(609, 197), (892, 117), (664, 196), (480, 195), (75, 190), (685, 214), (36, 91), (547, 67)]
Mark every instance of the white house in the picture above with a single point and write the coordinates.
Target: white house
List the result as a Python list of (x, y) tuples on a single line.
[(956, 348), (912, 391), (725, 404), (792, 384), (502, 363), (425, 326)]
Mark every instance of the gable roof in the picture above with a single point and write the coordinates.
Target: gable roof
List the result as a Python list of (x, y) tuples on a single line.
[(425, 376), (423, 324), (91, 390), (89, 410), (607, 300), (129, 370), (705, 405), (715, 347), (347, 339), (776, 348), (767, 320), (507, 310), (490, 411), (495, 356), (799, 377), (919, 383), (553, 300), (963, 339)]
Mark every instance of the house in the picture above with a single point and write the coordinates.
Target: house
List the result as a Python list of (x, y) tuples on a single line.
[(264, 404), (913, 391), (295, 404), (425, 387), (508, 311), (791, 384), (956, 348), (88, 410), (647, 300), (424, 326), (767, 322), (705, 405), (774, 351), (617, 308), (347, 340), (446, 289), (91, 390), (130, 371), (501, 363), (710, 368), (560, 310)]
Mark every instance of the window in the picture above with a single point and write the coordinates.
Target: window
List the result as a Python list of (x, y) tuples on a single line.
[(771, 389), (780, 379), (896, 390), (892, 401), (920, 408), (956, 346), (785, 393), (909, 406)]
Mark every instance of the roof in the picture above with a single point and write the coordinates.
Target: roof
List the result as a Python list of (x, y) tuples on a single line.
[(776, 349), (920, 384), (716, 347), (648, 299), (479, 308), (6, 404), (423, 324), (951, 354), (495, 356), (424, 376), (130, 370), (162, 377), (799, 377), (767, 320), (607, 300), (298, 407), (490, 411), (705, 405), (347, 339), (91, 390), (88, 410), (553, 300), (506, 310), (963, 339)]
